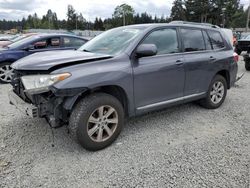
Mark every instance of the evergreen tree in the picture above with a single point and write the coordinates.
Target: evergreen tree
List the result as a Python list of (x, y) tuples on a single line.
[(124, 14), (71, 18), (178, 11)]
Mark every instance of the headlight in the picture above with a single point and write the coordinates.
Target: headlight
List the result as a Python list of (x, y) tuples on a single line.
[(41, 83)]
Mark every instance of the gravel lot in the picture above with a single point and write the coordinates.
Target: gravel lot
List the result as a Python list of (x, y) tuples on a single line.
[(183, 146)]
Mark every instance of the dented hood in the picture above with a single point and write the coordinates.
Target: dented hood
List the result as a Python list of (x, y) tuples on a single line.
[(53, 59)]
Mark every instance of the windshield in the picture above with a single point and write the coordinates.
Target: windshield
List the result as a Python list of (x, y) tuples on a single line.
[(247, 37), (18, 38), (112, 42), (21, 42)]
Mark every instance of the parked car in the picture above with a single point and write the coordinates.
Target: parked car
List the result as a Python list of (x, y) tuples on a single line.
[(34, 44), (247, 61), (125, 72), (243, 44), (7, 37), (5, 43)]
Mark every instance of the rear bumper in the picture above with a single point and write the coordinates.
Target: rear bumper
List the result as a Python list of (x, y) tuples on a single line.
[(23, 106)]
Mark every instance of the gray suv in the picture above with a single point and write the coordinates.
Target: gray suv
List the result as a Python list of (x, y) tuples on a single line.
[(124, 72)]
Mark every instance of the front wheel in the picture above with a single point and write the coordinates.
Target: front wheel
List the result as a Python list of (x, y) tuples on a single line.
[(96, 121), (216, 93), (6, 73)]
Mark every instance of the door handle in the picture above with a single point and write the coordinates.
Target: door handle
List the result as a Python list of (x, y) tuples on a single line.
[(179, 62)]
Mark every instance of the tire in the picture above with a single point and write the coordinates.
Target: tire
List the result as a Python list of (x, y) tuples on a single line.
[(247, 65), (85, 121), (6, 73), (210, 102)]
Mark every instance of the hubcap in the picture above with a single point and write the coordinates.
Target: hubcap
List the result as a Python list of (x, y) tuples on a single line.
[(6, 73), (102, 123), (217, 92)]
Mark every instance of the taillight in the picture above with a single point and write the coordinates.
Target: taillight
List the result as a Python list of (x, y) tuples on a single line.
[(236, 57)]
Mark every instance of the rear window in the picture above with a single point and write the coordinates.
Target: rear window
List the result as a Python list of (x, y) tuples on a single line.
[(192, 40), (216, 39)]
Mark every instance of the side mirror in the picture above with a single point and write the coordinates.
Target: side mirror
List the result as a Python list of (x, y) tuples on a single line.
[(29, 47), (145, 50)]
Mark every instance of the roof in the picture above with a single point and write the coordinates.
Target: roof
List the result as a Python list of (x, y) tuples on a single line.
[(58, 35), (176, 24)]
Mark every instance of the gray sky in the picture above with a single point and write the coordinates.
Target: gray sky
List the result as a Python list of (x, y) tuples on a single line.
[(17, 9)]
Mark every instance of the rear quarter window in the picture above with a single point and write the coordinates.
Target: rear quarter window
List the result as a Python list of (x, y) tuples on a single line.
[(216, 39)]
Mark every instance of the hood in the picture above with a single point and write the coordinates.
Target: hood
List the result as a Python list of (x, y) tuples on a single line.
[(56, 59)]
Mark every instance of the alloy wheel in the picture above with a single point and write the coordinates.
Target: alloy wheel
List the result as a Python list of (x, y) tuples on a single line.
[(102, 123), (6, 73), (217, 92)]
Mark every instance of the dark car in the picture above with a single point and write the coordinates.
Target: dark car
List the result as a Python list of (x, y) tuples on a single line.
[(124, 72), (5, 43), (34, 44), (243, 44)]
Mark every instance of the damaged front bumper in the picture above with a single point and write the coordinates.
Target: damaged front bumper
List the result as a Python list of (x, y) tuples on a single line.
[(55, 105), (26, 108), (50, 110)]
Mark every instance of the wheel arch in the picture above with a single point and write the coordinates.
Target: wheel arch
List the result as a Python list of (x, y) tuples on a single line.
[(116, 91), (226, 75)]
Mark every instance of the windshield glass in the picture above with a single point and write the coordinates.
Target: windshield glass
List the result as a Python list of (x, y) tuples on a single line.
[(247, 37), (112, 42), (18, 38), (21, 42)]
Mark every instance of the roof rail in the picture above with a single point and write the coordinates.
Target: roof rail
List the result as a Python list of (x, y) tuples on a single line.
[(195, 23)]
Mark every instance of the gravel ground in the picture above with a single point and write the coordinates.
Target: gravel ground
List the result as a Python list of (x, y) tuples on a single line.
[(183, 146)]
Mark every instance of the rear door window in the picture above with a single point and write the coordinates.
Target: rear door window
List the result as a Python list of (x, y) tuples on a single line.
[(192, 40), (216, 39), (165, 40), (54, 42)]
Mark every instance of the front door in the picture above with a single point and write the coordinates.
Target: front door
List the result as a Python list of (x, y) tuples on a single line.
[(159, 80)]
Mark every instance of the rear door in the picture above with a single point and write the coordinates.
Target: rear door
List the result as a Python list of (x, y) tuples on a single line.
[(159, 79), (198, 56)]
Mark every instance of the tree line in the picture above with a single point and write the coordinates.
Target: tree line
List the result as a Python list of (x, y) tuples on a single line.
[(225, 13), (77, 21)]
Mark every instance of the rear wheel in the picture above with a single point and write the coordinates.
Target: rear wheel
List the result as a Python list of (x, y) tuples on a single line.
[(97, 121), (6, 73), (216, 93)]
